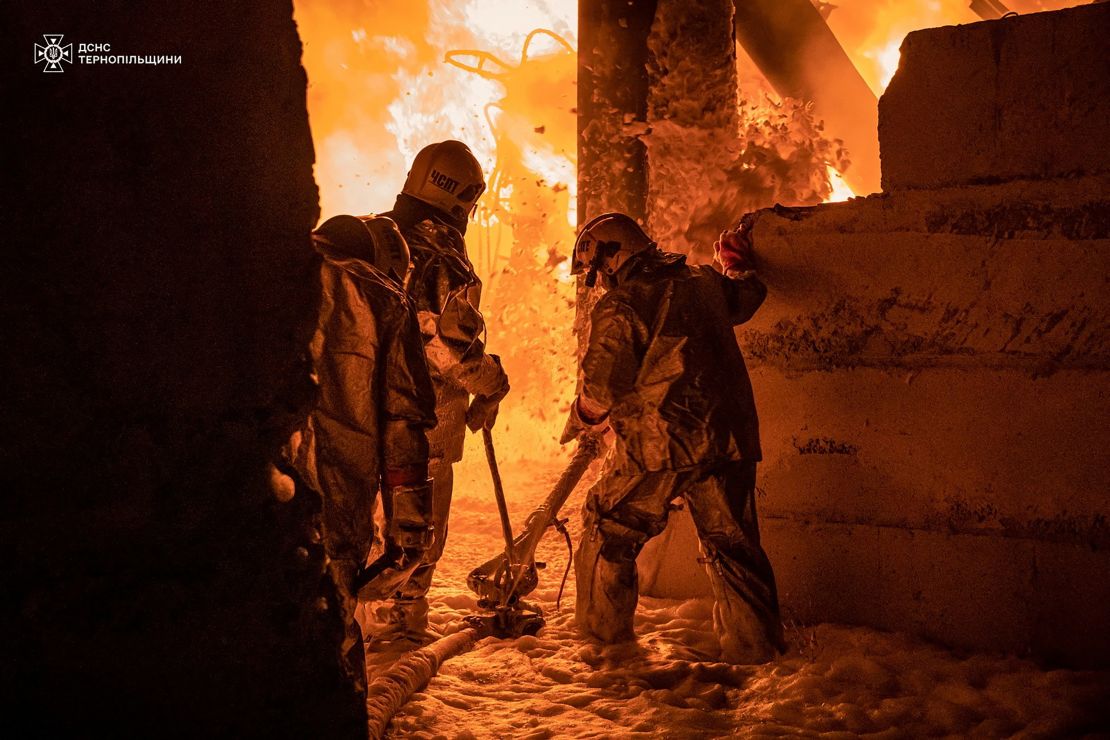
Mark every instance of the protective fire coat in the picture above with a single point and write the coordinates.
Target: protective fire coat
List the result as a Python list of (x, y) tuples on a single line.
[(376, 400), (663, 360), (447, 292)]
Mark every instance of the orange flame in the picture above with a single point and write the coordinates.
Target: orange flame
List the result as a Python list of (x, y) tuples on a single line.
[(871, 31), (387, 78)]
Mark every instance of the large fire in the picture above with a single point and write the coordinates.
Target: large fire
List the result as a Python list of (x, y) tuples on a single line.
[(388, 77), (385, 79)]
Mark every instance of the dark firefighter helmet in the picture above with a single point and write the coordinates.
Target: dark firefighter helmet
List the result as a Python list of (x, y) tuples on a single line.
[(375, 239), (606, 243)]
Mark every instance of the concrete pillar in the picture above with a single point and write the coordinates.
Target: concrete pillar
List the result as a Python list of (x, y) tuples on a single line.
[(612, 106), (160, 292)]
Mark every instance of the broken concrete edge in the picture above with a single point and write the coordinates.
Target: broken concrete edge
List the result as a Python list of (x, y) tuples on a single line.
[(1069, 208), (1018, 97), (1004, 277)]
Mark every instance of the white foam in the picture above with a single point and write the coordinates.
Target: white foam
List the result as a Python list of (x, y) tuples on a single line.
[(835, 680)]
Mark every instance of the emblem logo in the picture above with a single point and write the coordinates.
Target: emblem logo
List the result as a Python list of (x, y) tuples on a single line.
[(53, 54)]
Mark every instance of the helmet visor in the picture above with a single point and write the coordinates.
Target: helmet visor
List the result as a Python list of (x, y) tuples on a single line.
[(584, 248)]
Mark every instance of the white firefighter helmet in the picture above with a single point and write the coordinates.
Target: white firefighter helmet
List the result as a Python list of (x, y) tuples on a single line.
[(606, 243), (448, 176), (375, 239)]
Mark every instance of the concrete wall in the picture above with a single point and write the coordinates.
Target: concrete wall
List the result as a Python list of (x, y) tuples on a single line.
[(931, 372), (159, 292), (1027, 96), (933, 400), (931, 368)]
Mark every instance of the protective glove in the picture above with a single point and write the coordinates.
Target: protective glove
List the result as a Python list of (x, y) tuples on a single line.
[(733, 250), (580, 424), (482, 412)]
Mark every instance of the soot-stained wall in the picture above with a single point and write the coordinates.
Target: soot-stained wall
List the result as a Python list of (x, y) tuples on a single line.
[(159, 293), (931, 364)]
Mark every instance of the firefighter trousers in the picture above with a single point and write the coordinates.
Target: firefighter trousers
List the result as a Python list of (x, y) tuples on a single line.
[(624, 512), (347, 530), (405, 613)]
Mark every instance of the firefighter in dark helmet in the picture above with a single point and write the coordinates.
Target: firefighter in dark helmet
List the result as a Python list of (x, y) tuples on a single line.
[(662, 369), (368, 431)]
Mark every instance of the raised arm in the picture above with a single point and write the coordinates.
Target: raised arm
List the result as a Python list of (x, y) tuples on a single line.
[(744, 291)]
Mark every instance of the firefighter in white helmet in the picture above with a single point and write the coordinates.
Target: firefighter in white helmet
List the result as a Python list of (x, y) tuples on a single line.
[(432, 211), (662, 369), (368, 430)]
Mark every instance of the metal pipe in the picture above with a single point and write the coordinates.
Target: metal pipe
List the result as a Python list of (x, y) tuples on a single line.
[(499, 494)]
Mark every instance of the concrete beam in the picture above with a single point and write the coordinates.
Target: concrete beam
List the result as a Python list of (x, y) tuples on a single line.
[(1025, 97)]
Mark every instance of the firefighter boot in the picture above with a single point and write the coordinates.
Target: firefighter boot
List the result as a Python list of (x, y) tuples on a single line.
[(605, 574), (397, 624)]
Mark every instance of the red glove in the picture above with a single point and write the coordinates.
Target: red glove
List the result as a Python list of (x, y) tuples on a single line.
[(733, 250)]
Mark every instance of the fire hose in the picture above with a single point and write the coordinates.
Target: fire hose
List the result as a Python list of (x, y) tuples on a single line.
[(388, 692), (499, 584)]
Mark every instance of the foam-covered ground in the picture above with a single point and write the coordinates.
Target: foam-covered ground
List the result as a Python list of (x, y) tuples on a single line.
[(835, 681)]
